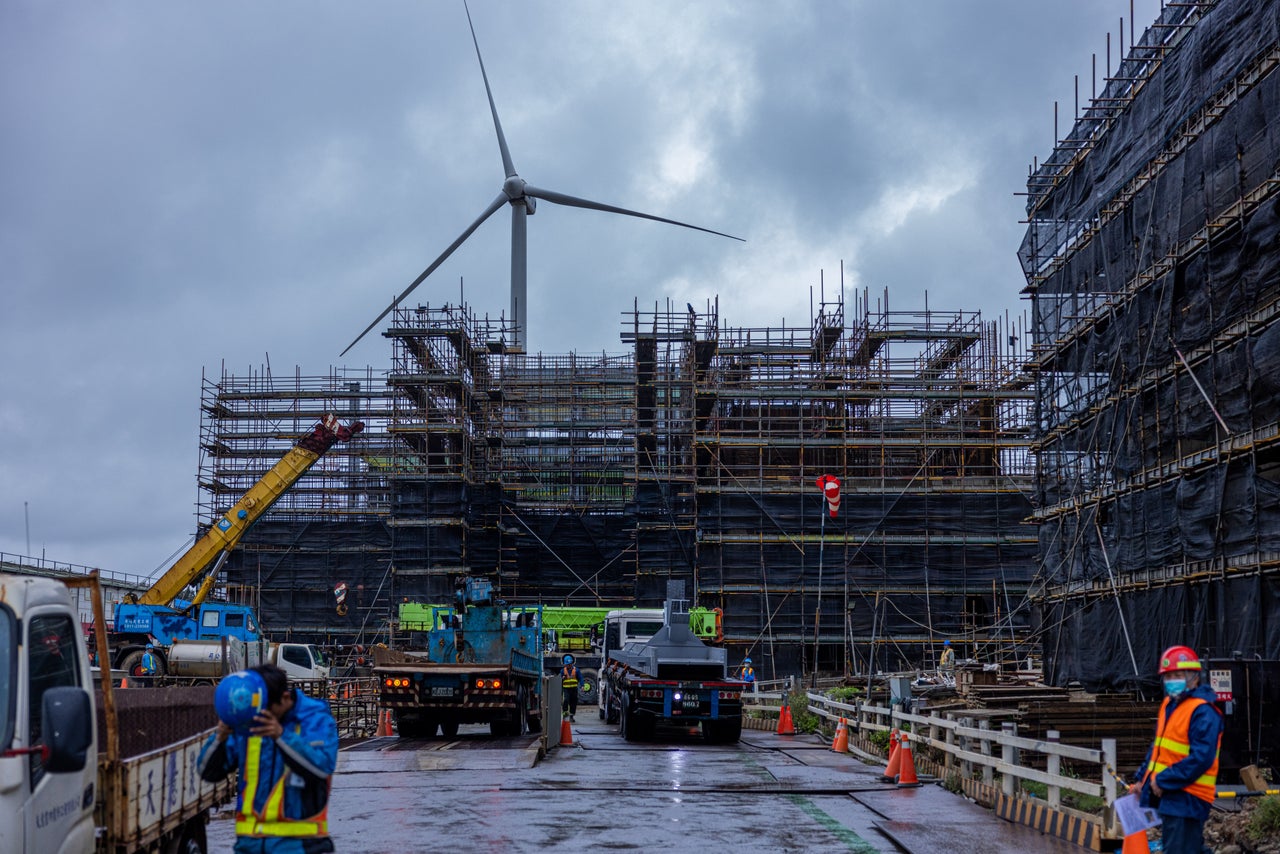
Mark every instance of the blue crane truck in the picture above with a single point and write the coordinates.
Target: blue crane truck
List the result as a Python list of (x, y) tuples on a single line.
[(158, 617), (670, 678), (482, 664)]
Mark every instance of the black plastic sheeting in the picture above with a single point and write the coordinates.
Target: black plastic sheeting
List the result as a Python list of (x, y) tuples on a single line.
[(1217, 618), (1117, 406), (288, 570)]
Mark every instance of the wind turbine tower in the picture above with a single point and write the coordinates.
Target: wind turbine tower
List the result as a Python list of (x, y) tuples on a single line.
[(522, 197)]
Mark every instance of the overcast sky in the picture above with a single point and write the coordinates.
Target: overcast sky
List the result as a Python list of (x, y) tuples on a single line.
[(188, 186)]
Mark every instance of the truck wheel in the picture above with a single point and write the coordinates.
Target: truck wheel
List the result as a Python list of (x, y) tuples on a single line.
[(588, 688), (633, 726), (193, 839), (611, 712), (132, 666), (449, 729)]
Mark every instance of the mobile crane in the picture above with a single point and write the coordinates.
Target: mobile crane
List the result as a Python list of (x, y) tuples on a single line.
[(158, 617)]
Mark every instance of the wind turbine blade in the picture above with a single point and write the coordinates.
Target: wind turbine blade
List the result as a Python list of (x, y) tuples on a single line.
[(488, 212), (573, 201), (497, 125)]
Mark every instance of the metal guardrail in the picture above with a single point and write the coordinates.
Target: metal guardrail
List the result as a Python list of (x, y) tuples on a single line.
[(970, 748), (44, 566)]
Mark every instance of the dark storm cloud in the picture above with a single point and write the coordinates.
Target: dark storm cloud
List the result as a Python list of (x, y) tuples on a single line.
[(191, 185)]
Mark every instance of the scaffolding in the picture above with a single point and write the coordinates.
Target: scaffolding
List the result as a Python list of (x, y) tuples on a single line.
[(593, 480), (329, 526), (924, 416), (1153, 270)]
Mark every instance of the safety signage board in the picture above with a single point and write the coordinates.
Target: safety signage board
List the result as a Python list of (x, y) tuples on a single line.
[(1220, 682)]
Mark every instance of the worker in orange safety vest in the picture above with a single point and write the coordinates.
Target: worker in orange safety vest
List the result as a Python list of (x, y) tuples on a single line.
[(569, 676), (1180, 774)]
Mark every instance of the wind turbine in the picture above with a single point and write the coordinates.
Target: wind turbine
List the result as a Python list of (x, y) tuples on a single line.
[(522, 197)]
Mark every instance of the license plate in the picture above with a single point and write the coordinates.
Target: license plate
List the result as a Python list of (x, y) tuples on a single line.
[(441, 691), (691, 704)]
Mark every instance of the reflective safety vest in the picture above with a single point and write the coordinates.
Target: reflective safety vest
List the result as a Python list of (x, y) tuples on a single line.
[(271, 821), (1173, 744), (570, 674), (748, 673)]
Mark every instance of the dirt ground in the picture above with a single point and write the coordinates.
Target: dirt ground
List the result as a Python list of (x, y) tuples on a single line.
[(1225, 832)]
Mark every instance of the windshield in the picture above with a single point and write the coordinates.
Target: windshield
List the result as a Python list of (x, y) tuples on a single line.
[(642, 628), (8, 674), (317, 655)]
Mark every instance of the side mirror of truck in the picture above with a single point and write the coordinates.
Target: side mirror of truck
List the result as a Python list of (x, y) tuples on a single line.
[(67, 728)]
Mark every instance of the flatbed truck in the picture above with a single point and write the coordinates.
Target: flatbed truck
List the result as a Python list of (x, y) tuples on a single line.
[(482, 664), (670, 678), (77, 775)]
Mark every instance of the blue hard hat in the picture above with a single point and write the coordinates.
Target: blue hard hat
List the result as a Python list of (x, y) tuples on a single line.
[(568, 659), (239, 697), (946, 643), (151, 646), (746, 661)]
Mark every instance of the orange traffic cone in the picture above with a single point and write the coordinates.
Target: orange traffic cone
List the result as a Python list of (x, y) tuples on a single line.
[(1136, 843), (895, 758), (785, 726), (384, 723), (124, 681), (907, 778), (840, 743), (566, 734)]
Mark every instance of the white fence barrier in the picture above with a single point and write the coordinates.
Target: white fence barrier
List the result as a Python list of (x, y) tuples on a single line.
[(973, 747)]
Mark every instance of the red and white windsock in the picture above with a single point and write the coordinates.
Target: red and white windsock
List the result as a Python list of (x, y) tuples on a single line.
[(830, 487)]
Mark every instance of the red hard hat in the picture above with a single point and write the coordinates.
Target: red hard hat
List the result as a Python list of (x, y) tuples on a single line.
[(1177, 658)]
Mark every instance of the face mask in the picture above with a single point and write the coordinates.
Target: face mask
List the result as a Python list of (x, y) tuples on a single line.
[(1174, 687)]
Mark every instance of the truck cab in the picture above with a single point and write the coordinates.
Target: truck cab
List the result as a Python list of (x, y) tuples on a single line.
[(48, 755), (299, 660), (631, 625), (209, 621)]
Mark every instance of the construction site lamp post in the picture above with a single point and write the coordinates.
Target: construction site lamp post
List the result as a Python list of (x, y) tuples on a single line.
[(830, 487)]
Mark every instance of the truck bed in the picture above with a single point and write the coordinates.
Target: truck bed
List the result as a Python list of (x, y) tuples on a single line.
[(155, 786), (147, 795), (151, 718)]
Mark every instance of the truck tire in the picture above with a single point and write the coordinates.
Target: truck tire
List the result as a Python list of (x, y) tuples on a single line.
[(132, 666), (634, 726), (589, 688), (193, 839), (415, 726), (449, 729)]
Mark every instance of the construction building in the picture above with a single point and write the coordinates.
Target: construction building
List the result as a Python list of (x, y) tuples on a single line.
[(593, 480), (1152, 259)]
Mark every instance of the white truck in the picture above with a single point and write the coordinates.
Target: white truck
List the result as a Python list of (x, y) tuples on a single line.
[(299, 660), (632, 625), (75, 781), (204, 662)]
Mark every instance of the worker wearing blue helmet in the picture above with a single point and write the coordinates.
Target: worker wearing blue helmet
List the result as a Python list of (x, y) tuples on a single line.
[(569, 688), (748, 671), (947, 661), (286, 758), (150, 665)]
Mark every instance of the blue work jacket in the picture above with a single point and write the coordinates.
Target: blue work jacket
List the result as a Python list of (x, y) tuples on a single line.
[(303, 758)]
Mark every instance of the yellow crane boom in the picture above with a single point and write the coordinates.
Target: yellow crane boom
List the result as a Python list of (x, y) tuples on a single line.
[(223, 536)]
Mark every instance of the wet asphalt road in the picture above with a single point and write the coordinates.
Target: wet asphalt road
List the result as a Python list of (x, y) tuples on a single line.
[(675, 794)]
